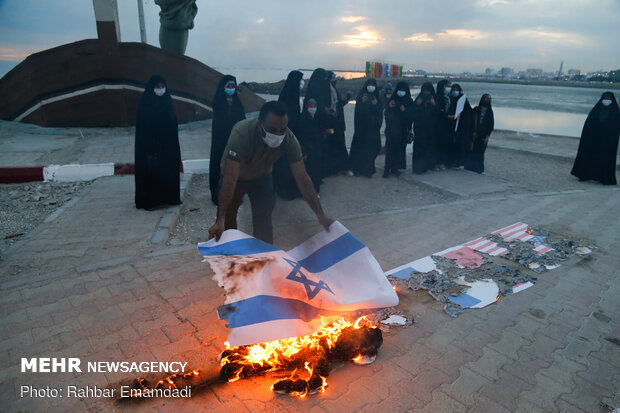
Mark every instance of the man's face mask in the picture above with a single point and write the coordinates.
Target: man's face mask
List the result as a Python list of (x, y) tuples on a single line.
[(455, 93), (606, 102), (230, 91), (401, 93), (370, 88), (159, 91), (272, 140), (312, 110)]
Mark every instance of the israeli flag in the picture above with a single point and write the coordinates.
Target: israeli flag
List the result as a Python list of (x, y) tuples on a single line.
[(272, 294)]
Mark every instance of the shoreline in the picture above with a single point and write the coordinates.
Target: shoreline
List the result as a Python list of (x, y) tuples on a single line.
[(274, 88)]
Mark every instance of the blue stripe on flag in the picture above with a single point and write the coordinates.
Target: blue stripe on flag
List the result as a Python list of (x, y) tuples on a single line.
[(464, 300), (404, 273), (244, 246), (332, 253), (263, 308)]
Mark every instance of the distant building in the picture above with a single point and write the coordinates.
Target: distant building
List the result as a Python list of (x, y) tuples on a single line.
[(573, 72), (534, 73), (506, 71), (489, 72)]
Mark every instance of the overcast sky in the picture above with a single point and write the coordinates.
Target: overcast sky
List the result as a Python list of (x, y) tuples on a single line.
[(433, 35)]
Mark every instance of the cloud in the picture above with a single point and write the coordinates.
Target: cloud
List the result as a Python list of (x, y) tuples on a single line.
[(12, 55), (463, 34), (491, 3), (419, 37), (352, 19), (364, 37), (545, 35), (260, 21)]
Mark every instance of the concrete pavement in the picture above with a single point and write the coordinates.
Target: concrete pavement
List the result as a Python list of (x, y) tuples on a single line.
[(94, 283)]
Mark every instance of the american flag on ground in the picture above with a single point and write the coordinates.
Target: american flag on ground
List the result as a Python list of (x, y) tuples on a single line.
[(521, 232)]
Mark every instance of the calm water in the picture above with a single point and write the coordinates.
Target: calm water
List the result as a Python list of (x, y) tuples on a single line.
[(552, 110)]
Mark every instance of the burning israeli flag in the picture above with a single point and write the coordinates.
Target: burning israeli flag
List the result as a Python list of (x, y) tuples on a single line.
[(272, 294)]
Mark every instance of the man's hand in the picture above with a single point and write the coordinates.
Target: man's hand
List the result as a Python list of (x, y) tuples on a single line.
[(325, 222), (216, 230), (392, 104), (402, 108), (419, 101), (374, 100), (486, 140)]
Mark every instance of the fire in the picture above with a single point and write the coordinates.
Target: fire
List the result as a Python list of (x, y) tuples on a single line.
[(308, 357), (144, 389)]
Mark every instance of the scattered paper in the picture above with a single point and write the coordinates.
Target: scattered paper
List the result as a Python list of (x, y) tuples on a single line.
[(479, 294), (520, 287), (395, 320)]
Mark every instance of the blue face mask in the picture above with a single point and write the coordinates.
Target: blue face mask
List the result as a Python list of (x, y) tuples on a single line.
[(455, 93), (401, 93), (229, 91)]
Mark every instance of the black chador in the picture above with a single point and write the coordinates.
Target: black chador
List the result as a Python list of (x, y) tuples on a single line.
[(335, 149), (442, 141), (482, 125), (312, 140), (460, 128), (283, 181), (368, 119), (227, 111), (596, 157), (157, 151), (425, 121), (398, 117)]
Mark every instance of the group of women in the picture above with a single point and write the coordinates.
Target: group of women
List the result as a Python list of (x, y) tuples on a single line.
[(445, 130)]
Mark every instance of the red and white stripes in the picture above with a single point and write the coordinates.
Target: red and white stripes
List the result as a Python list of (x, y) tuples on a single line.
[(484, 245), (520, 232)]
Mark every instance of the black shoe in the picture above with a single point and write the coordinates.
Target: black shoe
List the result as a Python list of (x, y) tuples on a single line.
[(386, 174), (396, 172)]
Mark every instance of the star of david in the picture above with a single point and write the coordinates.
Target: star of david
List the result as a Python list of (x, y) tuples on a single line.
[(298, 276)]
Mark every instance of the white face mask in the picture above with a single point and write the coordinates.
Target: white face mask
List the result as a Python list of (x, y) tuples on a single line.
[(401, 93), (272, 140), (606, 102), (159, 91), (301, 84), (370, 88), (312, 111)]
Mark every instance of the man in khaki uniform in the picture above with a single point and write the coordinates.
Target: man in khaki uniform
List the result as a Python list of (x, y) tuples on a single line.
[(253, 147)]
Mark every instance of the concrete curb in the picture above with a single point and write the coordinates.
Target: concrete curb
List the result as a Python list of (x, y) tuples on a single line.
[(84, 172)]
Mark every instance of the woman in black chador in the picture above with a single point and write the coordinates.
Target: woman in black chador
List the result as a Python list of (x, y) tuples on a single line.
[(482, 124), (367, 134), (312, 139), (442, 141), (283, 181), (398, 114), (596, 157), (336, 155), (460, 118), (425, 120), (227, 111), (157, 151)]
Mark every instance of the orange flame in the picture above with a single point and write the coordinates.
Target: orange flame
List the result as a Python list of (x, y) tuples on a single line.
[(276, 354)]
